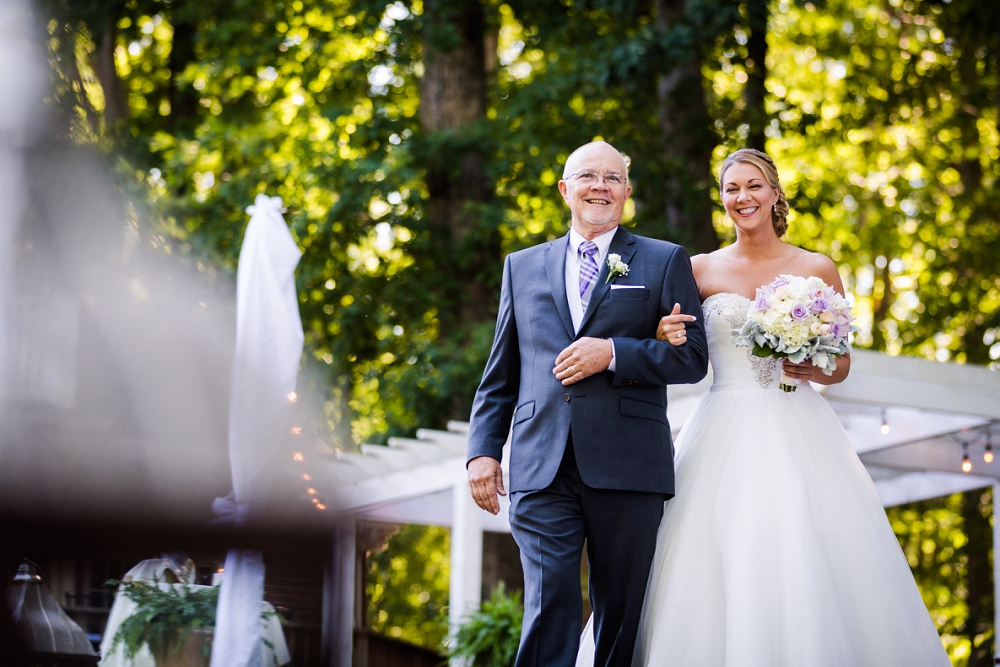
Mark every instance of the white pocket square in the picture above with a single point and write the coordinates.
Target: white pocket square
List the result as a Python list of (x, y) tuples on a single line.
[(628, 286)]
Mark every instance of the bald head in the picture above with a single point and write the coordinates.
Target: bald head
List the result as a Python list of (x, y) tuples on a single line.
[(600, 150), (595, 200)]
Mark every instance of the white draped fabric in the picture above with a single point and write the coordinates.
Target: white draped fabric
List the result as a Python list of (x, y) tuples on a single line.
[(268, 348)]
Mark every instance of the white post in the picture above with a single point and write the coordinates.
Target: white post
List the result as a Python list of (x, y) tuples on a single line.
[(466, 555), (996, 570), (338, 596)]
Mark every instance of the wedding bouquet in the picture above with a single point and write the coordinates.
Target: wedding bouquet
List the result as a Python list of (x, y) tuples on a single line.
[(801, 319)]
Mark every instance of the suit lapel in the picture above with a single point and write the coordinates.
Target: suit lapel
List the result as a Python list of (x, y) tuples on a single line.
[(555, 269), (622, 244)]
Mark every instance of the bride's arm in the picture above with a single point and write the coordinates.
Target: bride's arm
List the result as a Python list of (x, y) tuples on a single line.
[(821, 267)]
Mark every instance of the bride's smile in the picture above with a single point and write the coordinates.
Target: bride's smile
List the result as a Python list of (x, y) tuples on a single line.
[(748, 197)]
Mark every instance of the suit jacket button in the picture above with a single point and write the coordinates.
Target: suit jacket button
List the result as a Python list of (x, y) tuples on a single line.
[(566, 397)]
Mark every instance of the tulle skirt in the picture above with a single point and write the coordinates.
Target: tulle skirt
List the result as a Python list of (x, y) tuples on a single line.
[(776, 551)]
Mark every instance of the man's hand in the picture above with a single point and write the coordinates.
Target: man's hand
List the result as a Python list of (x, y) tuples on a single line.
[(485, 482), (582, 359)]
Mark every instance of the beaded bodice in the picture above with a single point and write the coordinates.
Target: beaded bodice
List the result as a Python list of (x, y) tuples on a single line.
[(733, 367)]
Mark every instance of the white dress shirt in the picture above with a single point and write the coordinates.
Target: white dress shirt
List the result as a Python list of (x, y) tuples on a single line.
[(603, 242)]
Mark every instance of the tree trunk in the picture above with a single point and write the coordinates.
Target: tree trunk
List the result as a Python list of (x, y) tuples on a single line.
[(453, 98), (687, 141), (880, 305), (115, 98), (183, 101), (753, 93), (466, 249)]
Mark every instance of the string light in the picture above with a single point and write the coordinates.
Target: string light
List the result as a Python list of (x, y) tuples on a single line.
[(885, 423), (320, 506), (311, 491), (298, 457), (988, 454), (306, 476), (292, 397), (966, 463), (296, 430)]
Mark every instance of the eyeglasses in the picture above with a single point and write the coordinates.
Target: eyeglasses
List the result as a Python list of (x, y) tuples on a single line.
[(588, 177)]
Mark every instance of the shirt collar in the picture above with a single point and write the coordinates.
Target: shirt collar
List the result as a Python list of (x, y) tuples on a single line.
[(603, 242)]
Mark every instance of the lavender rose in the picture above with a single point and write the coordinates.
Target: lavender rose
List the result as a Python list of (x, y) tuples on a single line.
[(799, 312), (761, 303), (819, 305), (780, 282)]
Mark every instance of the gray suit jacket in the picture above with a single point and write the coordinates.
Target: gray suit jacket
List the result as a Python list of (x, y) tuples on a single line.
[(621, 437)]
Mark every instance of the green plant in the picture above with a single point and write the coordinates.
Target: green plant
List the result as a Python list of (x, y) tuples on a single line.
[(164, 616), (490, 636)]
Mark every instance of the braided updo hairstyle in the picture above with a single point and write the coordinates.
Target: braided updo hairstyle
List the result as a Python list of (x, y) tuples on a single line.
[(779, 214)]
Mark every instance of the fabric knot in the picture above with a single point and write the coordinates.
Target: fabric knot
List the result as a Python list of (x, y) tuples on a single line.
[(264, 204)]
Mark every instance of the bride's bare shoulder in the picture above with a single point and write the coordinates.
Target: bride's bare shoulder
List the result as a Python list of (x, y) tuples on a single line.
[(706, 259)]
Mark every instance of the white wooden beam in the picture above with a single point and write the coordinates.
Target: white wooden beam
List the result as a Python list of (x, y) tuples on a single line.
[(466, 555), (914, 486), (879, 379), (338, 595), (996, 569)]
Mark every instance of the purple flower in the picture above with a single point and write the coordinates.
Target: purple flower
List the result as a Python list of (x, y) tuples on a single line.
[(780, 282), (819, 305), (836, 330), (761, 303), (799, 312)]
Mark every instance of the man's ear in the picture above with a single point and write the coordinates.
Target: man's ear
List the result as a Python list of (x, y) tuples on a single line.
[(562, 188)]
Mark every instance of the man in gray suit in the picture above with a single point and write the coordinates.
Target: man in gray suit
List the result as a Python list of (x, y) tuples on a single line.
[(576, 364)]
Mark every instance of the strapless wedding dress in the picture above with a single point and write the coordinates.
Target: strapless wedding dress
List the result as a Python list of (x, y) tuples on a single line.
[(776, 551)]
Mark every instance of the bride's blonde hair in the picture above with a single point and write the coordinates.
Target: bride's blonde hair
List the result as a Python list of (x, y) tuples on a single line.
[(779, 214)]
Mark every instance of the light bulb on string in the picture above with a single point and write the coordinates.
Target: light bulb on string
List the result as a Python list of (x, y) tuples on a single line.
[(988, 454), (885, 423), (966, 463)]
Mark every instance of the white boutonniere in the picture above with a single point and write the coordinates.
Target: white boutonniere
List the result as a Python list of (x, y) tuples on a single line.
[(616, 267)]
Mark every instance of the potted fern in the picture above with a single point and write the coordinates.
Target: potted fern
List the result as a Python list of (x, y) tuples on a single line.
[(176, 622), (490, 636)]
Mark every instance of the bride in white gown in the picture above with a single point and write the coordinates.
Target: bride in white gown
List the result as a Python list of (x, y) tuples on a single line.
[(775, 551)]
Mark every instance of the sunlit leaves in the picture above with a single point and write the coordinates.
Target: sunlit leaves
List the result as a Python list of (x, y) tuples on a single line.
[(408, 586)]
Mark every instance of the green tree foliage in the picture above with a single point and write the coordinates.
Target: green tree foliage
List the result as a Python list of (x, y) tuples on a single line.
[(882, 116), (408, 586), (490, 637), (886, 130), (947, 543)]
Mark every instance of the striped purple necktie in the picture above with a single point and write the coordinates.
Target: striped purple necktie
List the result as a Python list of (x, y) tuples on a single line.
[(588, 270)]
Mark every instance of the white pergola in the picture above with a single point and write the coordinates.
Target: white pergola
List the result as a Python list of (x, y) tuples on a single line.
[(911, 421)]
